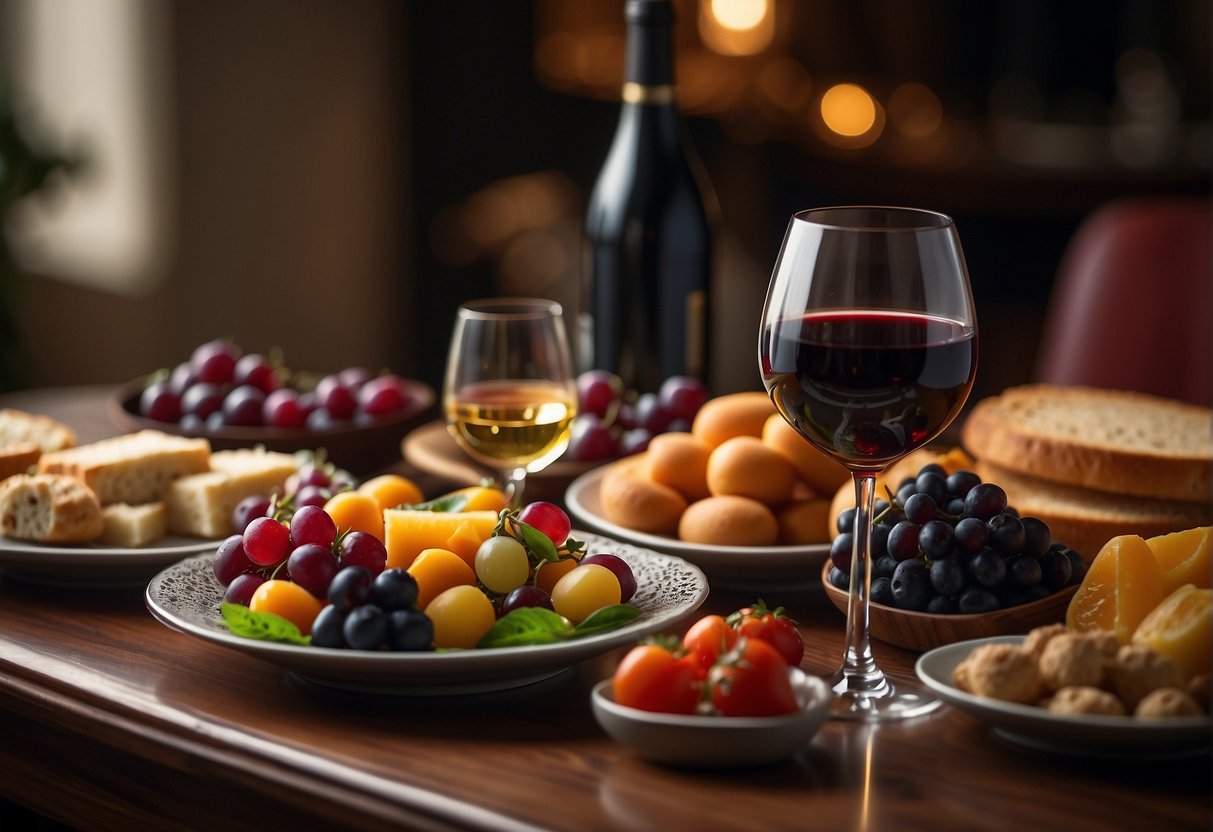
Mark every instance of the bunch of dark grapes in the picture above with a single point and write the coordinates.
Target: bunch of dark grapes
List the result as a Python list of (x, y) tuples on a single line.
[(371, 612), (949, 543)]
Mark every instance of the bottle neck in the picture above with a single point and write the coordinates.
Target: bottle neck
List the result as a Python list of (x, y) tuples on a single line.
[(649, 71)]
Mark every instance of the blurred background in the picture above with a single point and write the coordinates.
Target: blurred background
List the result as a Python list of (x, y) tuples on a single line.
[(332, 179)]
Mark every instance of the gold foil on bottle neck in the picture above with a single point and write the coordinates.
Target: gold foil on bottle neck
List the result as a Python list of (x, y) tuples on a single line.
[(634, 93)]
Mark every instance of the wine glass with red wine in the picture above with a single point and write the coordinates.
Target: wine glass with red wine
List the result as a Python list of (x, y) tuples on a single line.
[(868, 348)]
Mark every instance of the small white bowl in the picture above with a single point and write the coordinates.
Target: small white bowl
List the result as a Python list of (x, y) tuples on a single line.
[(716, 741)]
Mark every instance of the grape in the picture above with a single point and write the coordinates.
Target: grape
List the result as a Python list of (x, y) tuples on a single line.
[(955, 506), (882, 591), (988, 568), (932, 484), (1055, 570), (328, 628), (282, 410), (409, 630), (310, 474), (365, 550), (904, 492), (310, 524), (947, 576), (1078, 566), (936, 539), (1023, 571), (1006, 533), (158, 401), (266, 541), (381, 395), (256, 370), (335, 399), (1037, 536), (214, 361), (842, 551), (977, 599), (911, 585), (942, 605), (846, 521), (960, 483), (650, 415), (903, 540), (215, 421), (971, 535), (548, 518), (985, 500), (526, 596), (883, 567), (313, 567), (623, 572), (590, 440), (839, 579), (242, 587), (365, 627), (920, 508), (311, 495), (598, 392), (180, 379), (351, 587), (247, 510), (394, 589), (880, 539), (635, 441), (502, 564), (682, 396), (201, 400), (243, 406), (230, 560)]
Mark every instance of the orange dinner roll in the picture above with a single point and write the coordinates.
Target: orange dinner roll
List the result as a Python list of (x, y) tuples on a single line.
[(802, 522), (728, 521), (734, 414), (745, 467), (815, 469), (631, 499), (680, 461)]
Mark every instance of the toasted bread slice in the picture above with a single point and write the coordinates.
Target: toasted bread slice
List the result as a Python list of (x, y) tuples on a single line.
[(202, 504), (133, 468)]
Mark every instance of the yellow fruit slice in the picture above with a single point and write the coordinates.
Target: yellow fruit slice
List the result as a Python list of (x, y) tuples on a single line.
[(1181, 627), (1183, 557), (1123, 584), (357, 512), (407, 533), (437, 570), (392, 490)]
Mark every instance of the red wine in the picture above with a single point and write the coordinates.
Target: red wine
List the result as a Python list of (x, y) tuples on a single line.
[(646, 295), (868, 387)]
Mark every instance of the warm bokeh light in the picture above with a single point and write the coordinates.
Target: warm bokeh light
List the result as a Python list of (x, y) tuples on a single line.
[(737, 27), (848, 110), (915, 111), (739, 15)]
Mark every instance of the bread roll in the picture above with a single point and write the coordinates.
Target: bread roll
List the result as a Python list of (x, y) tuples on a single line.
[(24, 437), (815, 469), (745, 467), (49, 508), (634, 501), (680, 461), (728, 521), (804, 522), (734, 414)]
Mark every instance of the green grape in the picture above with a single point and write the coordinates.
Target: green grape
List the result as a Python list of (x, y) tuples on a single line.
[(501, 564)]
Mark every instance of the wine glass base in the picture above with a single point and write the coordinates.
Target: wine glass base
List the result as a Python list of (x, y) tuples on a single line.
[(903, 699)]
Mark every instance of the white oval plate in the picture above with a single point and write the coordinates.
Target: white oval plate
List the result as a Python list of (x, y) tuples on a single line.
[(737, 567), (1114, 737), (714, 741), (95, 564), (186, 597)]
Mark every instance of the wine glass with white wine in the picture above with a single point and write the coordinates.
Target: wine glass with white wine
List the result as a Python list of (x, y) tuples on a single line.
[(510, 392)]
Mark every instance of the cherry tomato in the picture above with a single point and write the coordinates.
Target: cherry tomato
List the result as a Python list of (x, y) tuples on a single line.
[(706, 640), (751, 680), (771, 626), (651, 677)]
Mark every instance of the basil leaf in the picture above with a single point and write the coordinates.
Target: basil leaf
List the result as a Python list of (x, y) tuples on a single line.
[(527, 625), (538, 543), (263, 626), (454, 502), (607, 618)]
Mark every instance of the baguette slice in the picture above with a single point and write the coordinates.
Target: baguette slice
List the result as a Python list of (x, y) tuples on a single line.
[(202, 504), (1113, 441), (49, 508), (133, 468), (134, 526), (24, 437), (1085, 519)]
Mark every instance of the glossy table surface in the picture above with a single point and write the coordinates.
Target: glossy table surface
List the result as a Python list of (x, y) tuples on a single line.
[(112, 721)]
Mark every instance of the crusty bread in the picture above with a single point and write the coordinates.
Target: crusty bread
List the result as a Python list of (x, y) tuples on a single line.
[(134, 526), (133, 468), (1113, 441), (202, 504), (49, 508), (24, 437), (1085, 519)]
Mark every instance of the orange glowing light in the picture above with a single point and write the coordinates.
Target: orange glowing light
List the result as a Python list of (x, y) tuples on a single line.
[(739, 15), (737, 27), (848, 110), (915, 110)]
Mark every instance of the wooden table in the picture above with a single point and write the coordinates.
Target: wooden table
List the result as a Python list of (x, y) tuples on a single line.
[(111, 721)]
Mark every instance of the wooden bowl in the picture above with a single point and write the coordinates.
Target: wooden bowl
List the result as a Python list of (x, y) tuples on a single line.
[(360, 449), (920, 631)]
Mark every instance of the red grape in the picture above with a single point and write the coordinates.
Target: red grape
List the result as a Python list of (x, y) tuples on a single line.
[(635, 441), (590, 440), (241, 589), (214, 361), (230, 560), (243, 406), (363, 549), (354, 377), (311, 524), (682, 396), (312, 566), (651, 415), (266, 541), (159, 402), (617, 565), (282, 409), (249, 509), (311, 495), (336, 398), (202, 399), (256, 370), (383, 394), (598, 391), (548, 518), (181, 378), (525, 596)]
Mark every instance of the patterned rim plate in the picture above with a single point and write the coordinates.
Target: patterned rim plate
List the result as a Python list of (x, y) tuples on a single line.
[(186, 597)]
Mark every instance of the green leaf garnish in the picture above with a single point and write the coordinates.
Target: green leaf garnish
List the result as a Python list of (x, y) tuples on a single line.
[(527, 625), (607, 618), (453, 502), (263, 626)]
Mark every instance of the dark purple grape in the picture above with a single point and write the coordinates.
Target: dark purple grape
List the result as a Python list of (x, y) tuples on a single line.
[(525, 596), (240, 590), (988, 568), (409, 630), (243, 406), (883, 567), (321, 420), (650, 415), (846, 521), (394, 589), (943, 605), (1025, 595), (1023, 571), (215, 421), (880, 539), (920, 508), (882, 591), (201, 400), (365, 627), (971, 535), (365, 550), (947, 576), (350, 587), (903, 540), (936, 539), (1055, 570), (985, 500), (635, 441), (620, 568), (328, 630), (1006, 533), (158, 401), (839, 579), (682, 396), (1037, 538), (955, 506), (248, 510), (933, 468), (230, 561), (960, 483), (977, 599), (842, 550), (311, 495), (311, 524), (181, 378), (590, 440), (911, 585), (1078, 566), (932, 484), (313, 567)]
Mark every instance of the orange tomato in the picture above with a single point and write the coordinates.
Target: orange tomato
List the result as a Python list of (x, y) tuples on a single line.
[(356, 511), (289, 600)]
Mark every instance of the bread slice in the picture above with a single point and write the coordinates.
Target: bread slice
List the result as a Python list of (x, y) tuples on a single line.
[(134, 526), (202, 504), (1112, 441), (1085, 519), (24, 437), (133, 468), (49, 508)]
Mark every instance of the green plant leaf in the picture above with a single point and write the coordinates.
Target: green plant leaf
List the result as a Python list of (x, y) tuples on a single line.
[(263, 626), (607, 618), (527, 625), (454, 501), (538, 543)]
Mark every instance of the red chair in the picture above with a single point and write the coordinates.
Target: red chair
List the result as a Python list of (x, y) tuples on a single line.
[(1132, 307)]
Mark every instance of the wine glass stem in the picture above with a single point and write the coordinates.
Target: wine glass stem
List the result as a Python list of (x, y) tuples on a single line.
[(515, 485), (859, 673)]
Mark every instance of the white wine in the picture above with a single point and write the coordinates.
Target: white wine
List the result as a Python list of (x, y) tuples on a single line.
[(646, 295), (515, 423)]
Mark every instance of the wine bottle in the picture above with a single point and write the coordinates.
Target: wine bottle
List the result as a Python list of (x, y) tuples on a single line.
[(646, 295)]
